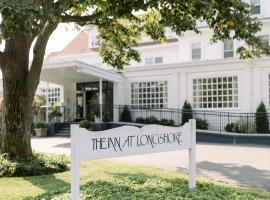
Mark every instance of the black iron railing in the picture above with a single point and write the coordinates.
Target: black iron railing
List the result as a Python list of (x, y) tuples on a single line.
[(211, 120)]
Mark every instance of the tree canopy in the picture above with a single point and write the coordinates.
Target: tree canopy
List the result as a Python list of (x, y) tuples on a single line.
[(121, 23)]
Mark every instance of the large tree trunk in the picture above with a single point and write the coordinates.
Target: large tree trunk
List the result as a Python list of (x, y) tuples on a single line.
[(18, 96), (19, 86), (17, 117)]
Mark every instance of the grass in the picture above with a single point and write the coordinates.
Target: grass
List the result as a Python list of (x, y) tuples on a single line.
[(109, 181)]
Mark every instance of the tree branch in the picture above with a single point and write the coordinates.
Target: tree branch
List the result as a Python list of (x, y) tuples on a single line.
[(39, 52), (81, 19)]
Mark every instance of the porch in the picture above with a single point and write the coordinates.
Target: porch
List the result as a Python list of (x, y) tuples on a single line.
[(89, 91)]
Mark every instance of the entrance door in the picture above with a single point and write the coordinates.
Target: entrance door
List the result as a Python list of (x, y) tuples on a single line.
[(91, 104)]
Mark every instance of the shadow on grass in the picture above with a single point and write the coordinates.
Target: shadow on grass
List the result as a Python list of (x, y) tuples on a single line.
[(143, 186), (48, 183), (244, 175)]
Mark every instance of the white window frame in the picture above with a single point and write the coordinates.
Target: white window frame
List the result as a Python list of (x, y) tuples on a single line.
[(209, 93), (157, 58), (152, 94), (149, 61), (256, 5), (229, 50), (192, 48)]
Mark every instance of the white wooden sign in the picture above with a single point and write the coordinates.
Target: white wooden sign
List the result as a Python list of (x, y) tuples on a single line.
[(130, 140)]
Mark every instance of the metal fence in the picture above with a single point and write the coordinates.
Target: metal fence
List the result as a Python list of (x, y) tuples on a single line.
[(210, 120)]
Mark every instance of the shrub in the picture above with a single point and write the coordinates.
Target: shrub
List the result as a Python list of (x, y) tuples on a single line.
[(126, 115), (37, 164), (39, 125), (242, 125), (261, 119), (229, 127), (186, 112), (166, 122), (201, 124), (140, 120), (85, 124), (151, 120)]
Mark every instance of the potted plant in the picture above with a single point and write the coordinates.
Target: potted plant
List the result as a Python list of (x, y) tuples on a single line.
[(40, 129)]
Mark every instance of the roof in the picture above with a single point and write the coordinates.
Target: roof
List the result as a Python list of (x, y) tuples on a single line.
[(80, 43)]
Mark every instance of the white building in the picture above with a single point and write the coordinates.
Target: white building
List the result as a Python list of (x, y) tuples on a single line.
[(209, 76)]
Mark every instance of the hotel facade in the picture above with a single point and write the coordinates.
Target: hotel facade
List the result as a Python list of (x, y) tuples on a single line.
[(188, 68)]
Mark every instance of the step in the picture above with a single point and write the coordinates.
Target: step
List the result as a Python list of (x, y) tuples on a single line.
[(63, 131)]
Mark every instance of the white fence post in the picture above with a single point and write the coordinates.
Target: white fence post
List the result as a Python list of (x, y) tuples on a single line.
[(75, 163), (192, 156)]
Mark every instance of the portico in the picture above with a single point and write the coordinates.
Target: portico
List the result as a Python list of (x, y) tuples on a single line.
[(89, 91)]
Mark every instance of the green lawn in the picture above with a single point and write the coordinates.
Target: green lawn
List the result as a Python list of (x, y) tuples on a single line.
[(109, 180)]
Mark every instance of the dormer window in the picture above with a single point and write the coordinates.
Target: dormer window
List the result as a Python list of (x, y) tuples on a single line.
[(93, 41), (255, 7), (196, 51), (228, 49), (153, 60)]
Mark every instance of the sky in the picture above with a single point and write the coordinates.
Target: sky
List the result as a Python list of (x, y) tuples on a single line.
[(58, 40)]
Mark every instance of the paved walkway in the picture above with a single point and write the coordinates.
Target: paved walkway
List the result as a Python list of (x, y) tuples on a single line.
[(241, 165)]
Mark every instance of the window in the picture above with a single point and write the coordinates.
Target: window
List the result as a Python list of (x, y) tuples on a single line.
[(93, 41), (151, 61), (196, 51), (158, 60), (255, 7), (219, 92), (228, 49), (152, 94), (53, 94)]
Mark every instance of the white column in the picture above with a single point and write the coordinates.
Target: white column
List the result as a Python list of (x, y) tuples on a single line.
[(100, 98), (84, 104), (173, 97), (245, 90), (183, 96), (47, 103)]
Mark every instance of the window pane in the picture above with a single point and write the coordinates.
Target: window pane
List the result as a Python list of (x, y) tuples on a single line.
[(255, 7), (149, 94), (228, 49), (158, 60), (148, 61), (196, 51), (213, 96)]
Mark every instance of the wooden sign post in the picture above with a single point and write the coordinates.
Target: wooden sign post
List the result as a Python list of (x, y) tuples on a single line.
[(130, 140)]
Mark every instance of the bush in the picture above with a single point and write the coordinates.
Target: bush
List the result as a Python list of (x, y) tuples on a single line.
[(201, 124), (229, 127), (37, 164), (140, 120), (166, 122), (186, 112), (126, 115), (39, 125), (85, 124), (261, 119), (151, 120), (242, 125)]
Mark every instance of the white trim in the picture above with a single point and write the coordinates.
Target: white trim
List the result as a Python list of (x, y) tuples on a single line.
[(86, 68)]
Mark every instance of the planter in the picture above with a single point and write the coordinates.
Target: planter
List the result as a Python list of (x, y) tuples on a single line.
[(41, 132)]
